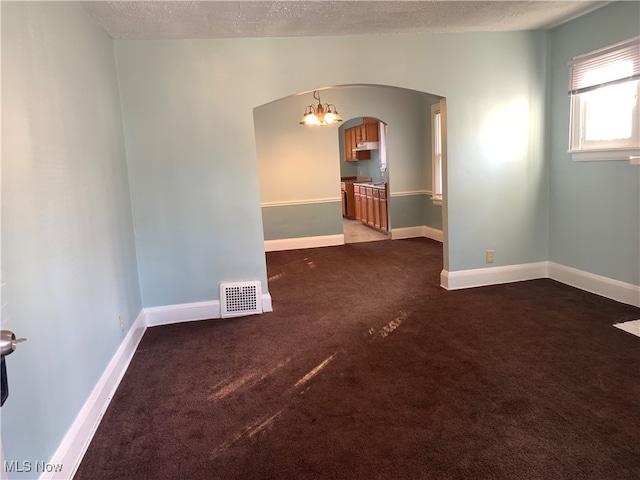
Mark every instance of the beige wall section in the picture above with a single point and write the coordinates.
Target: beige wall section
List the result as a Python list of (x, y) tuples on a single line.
[(301, 163)]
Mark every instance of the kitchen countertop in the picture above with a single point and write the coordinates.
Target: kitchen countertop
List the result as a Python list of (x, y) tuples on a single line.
[(371, 184), (355, 179)]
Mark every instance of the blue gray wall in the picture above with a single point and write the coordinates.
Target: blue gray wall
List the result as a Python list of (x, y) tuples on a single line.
[(188, 116), (68, 255), (69, 262), (595, 206)]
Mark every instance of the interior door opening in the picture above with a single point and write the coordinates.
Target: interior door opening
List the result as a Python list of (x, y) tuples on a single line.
[(364, 180), (301, 202)]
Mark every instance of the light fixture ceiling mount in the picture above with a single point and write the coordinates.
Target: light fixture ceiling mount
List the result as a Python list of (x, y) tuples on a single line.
[(321, 114)]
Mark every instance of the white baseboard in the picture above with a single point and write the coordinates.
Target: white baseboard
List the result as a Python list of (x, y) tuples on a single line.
[(480, 277), (418, 231), (267, 306), (603, 286), (303, 242), (76, 441), (189, 312), (184, 312), (333, 240)]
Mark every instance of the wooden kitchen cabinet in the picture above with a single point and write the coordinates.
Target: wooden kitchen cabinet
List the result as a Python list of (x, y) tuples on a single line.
[(362, 202), (349, 145), (348, 200), (368, 132), (370, 212), (372, 132), (350, 142), (364, 213), (372, 206), (365, 132), (363, 155), (376, 207)]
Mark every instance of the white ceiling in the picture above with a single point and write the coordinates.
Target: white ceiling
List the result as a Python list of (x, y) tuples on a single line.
[(267, 18)]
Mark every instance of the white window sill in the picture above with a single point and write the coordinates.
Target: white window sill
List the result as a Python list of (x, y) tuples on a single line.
[(631, 155)]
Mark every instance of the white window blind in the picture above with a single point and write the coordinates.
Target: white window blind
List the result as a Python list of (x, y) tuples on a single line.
[(614, 64)]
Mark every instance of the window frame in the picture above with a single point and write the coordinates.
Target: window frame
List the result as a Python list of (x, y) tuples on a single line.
[(437, 157), (579, 88)]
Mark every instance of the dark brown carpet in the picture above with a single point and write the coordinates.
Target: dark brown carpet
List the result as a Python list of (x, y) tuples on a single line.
[(367, 369)]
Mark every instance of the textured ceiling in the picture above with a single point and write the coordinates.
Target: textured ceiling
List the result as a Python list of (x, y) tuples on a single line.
[(220, 19)]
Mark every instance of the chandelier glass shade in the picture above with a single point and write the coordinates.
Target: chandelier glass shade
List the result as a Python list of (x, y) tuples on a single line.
[(321, 114)]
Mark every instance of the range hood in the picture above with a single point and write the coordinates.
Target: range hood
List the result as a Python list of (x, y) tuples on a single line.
[(363, 146)]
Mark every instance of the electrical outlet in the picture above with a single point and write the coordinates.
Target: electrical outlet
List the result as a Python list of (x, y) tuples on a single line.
[(121, 323), (490, 255)]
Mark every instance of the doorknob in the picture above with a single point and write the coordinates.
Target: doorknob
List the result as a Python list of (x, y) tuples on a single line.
[(8, 343)]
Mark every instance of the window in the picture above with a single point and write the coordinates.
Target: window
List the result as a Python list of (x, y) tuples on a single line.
[(605, 115), (437, 127)]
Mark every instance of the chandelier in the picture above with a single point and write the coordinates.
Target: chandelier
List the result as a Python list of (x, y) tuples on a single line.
[(320, 114)]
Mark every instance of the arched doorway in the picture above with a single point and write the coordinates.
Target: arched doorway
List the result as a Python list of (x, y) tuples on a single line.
[(301, 196)]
